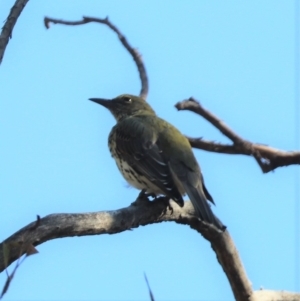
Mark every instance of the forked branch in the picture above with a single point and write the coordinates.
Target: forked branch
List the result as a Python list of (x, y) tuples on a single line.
[(110, 222), (268, 158), (144, 213)]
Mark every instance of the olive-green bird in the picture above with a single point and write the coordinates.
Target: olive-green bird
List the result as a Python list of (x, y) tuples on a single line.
[(154, 156)]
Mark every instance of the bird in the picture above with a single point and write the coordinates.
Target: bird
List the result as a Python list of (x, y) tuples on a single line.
[(155, 157)]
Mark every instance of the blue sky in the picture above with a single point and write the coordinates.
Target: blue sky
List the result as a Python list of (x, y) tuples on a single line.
[(236, 57)]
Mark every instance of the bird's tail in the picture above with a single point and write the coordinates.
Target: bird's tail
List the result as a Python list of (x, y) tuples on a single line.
[(201, 206)]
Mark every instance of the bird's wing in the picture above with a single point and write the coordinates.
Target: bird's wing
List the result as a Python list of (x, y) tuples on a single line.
[(207, 194), (192, 181), (137, 144)]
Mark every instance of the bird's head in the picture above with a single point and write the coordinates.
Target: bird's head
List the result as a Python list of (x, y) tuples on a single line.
[(125, 105)]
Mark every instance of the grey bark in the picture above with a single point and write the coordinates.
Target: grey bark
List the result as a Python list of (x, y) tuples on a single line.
[(144, 213)]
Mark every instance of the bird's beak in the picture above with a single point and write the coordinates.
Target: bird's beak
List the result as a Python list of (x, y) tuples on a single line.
[(101, 101)]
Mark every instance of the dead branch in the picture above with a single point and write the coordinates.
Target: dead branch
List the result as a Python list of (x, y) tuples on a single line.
[(110, 222), (9, 24), (134, 53), (267, 295), (268, 158)]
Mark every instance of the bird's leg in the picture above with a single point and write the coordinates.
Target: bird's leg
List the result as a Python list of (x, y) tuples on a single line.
[(142, 198), (166, 201), (168, 205)]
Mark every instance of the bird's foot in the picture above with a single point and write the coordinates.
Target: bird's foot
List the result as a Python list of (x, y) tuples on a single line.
[(166, 201), (142, 198)]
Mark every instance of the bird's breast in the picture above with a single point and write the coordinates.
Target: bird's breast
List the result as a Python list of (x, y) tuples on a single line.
[(133, 177)]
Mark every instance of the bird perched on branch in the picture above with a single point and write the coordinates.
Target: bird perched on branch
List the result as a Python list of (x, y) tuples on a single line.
[(154, 156)]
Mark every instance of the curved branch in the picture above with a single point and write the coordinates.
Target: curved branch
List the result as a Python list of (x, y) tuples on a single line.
[(109, 222), (268, 158), (9, 24), (134, 53), (144, 213)]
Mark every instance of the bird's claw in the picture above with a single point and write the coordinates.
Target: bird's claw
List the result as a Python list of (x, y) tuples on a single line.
[(142, 198), (166, 201)]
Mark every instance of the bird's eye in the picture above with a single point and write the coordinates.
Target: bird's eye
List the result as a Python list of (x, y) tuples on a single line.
[(127, 99)]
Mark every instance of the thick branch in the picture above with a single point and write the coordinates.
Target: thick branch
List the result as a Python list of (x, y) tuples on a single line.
[(267, 157), (9, 24), (267, 295), (134, 53), (109, 222)]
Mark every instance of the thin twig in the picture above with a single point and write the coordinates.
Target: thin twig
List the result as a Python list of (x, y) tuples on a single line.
[(9, 24), (134, 53), (149, 288)]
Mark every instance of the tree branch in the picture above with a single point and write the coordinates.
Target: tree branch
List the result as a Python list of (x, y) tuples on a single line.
[(110, 222), (268, 158), (134, 53), (267, 295), (9, 24)]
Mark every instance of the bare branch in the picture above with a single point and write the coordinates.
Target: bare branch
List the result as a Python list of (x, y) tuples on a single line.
[(134, 53), (104, 222), (267, 295), (268, 158), (149, 288), (193, 105), (9, 24), (109, 222)]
